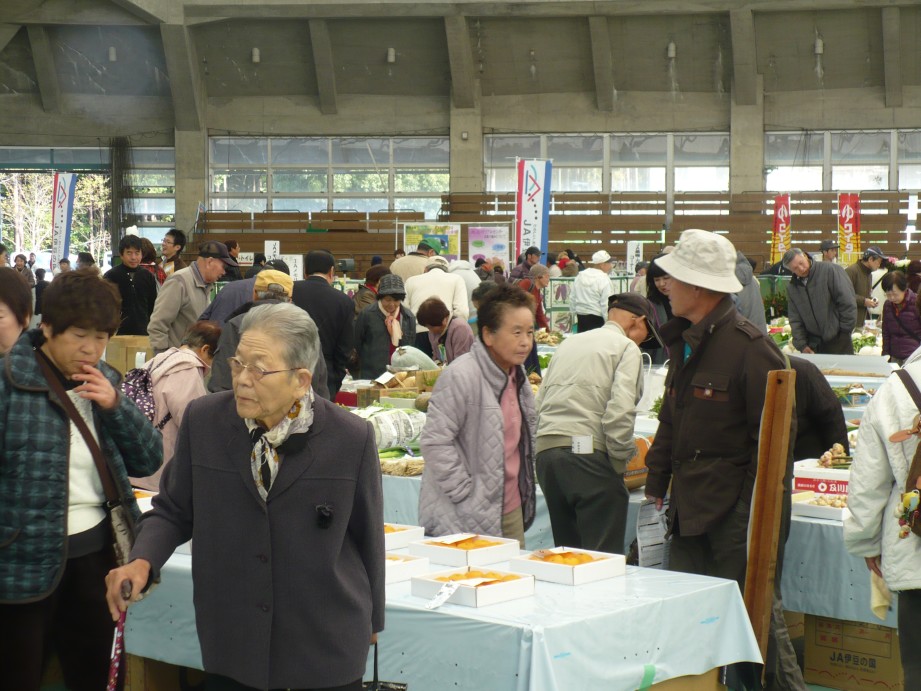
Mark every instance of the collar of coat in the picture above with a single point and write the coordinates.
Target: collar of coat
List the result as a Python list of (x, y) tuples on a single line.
[(494, 375), (23, 372), (680, 329)]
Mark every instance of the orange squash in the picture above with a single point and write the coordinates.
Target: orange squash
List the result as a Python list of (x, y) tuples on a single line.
[(635, 474)]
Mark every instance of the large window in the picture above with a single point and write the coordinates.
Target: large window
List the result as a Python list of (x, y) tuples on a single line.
[(153, 186), (363, 174)]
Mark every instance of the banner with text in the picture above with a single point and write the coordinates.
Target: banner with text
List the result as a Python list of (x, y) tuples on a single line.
[(62, 213), (781, 239), (444, 238), (849, 223), (487, 242), (532, 208)]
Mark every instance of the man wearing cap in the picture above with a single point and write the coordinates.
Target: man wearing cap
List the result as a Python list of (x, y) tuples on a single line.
[(531, 257), (268, 286), (414, 263), (861, 275), (236, 294), (436, 282), (820, 305), (707, 441), (829, 250), (586, 408), (590, 292), (184, 296)]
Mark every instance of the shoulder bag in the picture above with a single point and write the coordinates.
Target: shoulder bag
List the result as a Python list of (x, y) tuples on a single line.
[(910, 507)]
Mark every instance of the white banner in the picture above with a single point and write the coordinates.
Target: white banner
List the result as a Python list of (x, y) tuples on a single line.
[(532, 209), (272, 249), (295, 264), (62, 211), (634, 255)]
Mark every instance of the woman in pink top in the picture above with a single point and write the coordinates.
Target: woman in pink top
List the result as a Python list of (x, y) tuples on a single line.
[(449, 336)]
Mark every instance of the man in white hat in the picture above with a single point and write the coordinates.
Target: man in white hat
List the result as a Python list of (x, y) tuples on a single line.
[(436, 282), (590, 292)]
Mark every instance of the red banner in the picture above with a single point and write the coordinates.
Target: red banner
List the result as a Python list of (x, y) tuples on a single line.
[(781, 240), (849, 223)]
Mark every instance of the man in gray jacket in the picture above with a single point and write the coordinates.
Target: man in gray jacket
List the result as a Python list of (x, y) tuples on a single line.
[(586, 408), (820, 305)]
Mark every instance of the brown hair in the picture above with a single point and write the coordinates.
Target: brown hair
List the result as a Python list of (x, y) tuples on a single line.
[(203, 333), (432, 312), (83, 299), (148, 252), (376, 273), (497, 302), (16, 294)]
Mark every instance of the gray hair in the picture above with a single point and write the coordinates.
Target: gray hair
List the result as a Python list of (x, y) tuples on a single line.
[(790, 255), (289, 325)]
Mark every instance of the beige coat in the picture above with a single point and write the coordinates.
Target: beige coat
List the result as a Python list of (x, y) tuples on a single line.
[(183, 296)]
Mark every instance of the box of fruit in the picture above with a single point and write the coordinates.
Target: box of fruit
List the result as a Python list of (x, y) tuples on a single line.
[(398, 536), (814, 505), (466, 549), (475, 587), (570, 566), (402, 567), (810, 475)]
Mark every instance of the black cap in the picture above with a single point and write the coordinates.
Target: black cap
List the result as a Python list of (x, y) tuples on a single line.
[(640, 306), (533, 250), (218, 250), (278, 265), (874, 252), (828, 245)]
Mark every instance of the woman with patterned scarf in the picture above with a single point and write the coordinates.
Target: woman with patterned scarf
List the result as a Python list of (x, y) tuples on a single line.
[(383, 327), (280, 492)]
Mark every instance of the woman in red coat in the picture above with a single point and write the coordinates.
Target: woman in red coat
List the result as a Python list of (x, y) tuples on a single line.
[(538, 279)]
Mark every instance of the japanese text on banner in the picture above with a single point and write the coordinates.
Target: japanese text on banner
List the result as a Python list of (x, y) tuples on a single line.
[(849, 223), (62, 212), (780, 239), (532, 209)]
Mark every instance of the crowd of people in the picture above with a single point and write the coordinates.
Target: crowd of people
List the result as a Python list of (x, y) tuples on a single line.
[(242, 440)]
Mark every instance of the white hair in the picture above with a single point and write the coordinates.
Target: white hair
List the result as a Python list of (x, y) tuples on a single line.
[(289, 326)]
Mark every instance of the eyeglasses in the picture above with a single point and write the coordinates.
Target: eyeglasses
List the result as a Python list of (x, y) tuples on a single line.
[(167, 241), (257, 373)]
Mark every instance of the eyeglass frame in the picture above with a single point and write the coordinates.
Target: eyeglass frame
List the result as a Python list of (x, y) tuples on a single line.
[(257, 373)]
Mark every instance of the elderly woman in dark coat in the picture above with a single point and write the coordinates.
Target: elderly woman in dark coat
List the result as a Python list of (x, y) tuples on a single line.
[(281, 492), (382, 327)]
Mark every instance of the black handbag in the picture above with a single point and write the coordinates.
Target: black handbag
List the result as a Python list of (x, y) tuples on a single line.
[(377, 685)]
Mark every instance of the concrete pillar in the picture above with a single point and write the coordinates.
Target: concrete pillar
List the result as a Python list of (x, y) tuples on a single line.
[(191, 175), (467, 148), (746, 140)]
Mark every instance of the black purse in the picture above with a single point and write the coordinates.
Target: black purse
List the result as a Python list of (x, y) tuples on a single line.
[(377, 685)]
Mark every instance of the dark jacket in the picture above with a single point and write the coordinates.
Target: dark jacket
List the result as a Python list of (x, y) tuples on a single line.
[(229, 300), (822, 307), (707, 441), (280, 600), (902, 331), (520, 271), (861, 278), (39, 289), (334, 314), (253, 270), (819, 417), (138, 289), (221, 379), (34, 461), (373, 342), (748, 300), (364, 296)]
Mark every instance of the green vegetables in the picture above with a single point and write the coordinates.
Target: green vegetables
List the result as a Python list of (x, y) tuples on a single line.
[(656, 405)]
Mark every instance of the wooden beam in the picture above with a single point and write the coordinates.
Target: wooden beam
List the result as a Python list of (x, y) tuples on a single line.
[(460, 57), (744, 66), (7, 32), (322, 47), (45, 72), (68, 12), (892, 56), (184, 77), (602, 61)]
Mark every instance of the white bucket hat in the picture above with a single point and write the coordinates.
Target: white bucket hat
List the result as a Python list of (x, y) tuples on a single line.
[(703, 259), (600, 257)]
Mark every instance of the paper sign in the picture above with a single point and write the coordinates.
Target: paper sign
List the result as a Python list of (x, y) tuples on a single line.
[(583, 445), (447, 590), (452, 539), (295, 264), (246, 258), (273, 249)]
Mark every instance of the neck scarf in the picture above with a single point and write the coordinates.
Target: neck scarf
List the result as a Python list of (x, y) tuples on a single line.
[(392, 322), (264, 458)]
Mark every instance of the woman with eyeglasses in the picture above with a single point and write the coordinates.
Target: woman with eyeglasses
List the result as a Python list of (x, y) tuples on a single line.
[(281, 493), (901, 323)]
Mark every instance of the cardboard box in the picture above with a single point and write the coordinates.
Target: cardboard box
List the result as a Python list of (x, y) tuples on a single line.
[(606, 566), (438, 549), (851, 655), (809, 475), (402, 536), (367, 396), (402, 567), (428, 587), (121, 353)]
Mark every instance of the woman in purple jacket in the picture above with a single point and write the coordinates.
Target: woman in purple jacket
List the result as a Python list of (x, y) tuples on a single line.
[(450, 336), (901, 321)]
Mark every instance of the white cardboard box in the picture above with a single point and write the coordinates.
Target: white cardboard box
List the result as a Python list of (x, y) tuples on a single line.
[(438, 550), (801, 507), (402, 536), (470, 596), (809, 475), (606, 566), (402, 567)]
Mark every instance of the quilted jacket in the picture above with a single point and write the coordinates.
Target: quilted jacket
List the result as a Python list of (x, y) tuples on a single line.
[(463, 446), (34, 462)]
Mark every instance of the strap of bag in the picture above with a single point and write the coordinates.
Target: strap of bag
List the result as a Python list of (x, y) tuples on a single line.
[(105, 474), (910, 385)]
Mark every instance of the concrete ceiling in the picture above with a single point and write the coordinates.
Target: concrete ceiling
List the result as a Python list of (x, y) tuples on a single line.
[(60, 47)]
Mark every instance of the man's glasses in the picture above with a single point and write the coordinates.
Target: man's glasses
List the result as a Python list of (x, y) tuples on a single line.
[(257, 373), (167, 241)]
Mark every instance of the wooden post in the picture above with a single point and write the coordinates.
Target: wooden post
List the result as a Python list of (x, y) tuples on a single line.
[(773, 450)]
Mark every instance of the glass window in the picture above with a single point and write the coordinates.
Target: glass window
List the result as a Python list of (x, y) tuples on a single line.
[(501, 180), (635, 149), (363, 205), (794, 179), (576, 180), (701, 149), (305, 181), (910, 176), (237, 181), (421, 180), (504, 150), (81, 156), (360, 181), (421, 150), (638, 179), (153, 206), (152, 181), (300, 204), (430, 206), (575, 150), (231, 151), (303, 151), (793, 148), (19, 156), (159, 158), (909, 146), (860, 147), (849, 178), (702, 179), (362, 151), (238, 204)]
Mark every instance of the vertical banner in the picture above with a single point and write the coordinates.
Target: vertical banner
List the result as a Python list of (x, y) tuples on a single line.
[(781, 239), (62, 213), (532, 208), (273, 250), (849, 223), (634, 255), (444, 237), (487, 242)]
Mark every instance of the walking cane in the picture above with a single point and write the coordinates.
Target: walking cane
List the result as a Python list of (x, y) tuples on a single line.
[(118, 640)]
